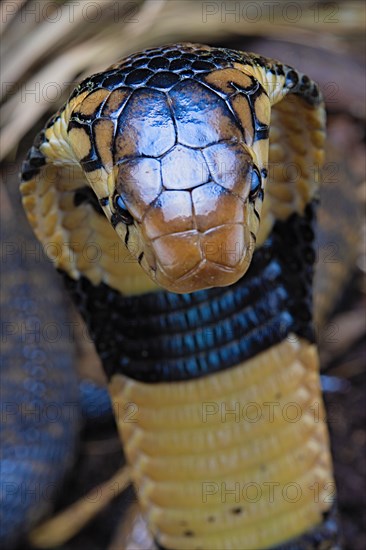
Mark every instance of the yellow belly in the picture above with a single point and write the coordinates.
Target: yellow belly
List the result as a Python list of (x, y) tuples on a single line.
[(237, 459)]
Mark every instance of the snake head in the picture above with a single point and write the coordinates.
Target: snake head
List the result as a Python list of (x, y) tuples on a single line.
[(185, 132)]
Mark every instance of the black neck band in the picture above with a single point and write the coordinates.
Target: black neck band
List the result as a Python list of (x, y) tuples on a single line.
[(162, 336)]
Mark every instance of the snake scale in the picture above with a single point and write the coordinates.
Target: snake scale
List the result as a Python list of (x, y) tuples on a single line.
[(176, 192), (40, 401)]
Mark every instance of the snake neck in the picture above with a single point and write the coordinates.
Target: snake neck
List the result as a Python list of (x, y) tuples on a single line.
[(162, 336)]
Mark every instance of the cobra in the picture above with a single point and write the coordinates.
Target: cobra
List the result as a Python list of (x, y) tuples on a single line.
[(204, 163)]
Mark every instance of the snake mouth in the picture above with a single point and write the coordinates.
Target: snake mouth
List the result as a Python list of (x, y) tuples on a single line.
[(191, 260)]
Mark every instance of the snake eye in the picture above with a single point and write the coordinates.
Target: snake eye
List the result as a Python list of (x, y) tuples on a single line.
[(122, 211), (256, 184)]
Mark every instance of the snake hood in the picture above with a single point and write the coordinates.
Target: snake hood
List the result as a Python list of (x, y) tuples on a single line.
[(167, 153), (183, 136)]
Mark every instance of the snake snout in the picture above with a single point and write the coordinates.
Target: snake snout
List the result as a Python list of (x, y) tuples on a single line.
[(192, 261), (199, 238)]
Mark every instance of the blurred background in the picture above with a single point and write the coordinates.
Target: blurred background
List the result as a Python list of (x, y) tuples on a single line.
[(48, 47)]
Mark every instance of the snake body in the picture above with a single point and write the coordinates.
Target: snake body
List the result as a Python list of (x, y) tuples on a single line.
[(204, 163), (40, 409)]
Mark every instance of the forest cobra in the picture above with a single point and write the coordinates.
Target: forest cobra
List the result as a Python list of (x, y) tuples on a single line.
[(176, 192)]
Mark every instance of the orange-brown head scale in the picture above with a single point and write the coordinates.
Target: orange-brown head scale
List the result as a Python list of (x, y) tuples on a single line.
[(187, 173)]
